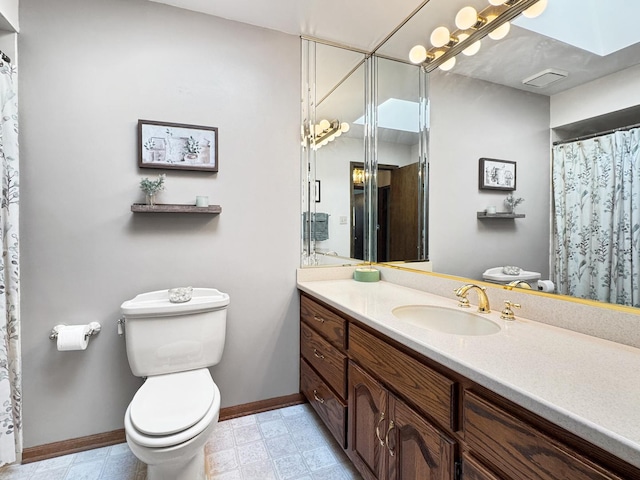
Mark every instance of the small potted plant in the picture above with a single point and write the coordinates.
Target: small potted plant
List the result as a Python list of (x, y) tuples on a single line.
[(512, 203), (152, 187), (192, 150)]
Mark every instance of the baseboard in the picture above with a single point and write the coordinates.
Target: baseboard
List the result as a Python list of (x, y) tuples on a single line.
[(75, 445), (252, 408)]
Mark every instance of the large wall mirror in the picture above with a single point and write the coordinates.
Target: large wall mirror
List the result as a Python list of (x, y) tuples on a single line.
[(495, 105)]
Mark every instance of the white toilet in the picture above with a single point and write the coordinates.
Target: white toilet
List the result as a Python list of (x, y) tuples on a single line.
[(173, 413)]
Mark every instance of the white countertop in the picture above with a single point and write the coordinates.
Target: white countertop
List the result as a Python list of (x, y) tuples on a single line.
[(587, 385)]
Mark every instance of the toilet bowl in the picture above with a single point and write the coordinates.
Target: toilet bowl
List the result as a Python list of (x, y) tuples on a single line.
[(173, 413), (169, 421)]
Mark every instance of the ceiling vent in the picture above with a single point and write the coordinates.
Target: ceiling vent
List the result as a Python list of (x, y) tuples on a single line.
[(545, 78)]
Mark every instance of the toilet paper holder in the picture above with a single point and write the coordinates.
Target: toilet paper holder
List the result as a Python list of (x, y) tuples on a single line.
[(94, 329)]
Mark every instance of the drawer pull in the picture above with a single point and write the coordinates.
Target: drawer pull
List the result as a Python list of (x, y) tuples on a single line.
[(378, 429), (318, 354), (318, 399), (318, 319), (386, 438)]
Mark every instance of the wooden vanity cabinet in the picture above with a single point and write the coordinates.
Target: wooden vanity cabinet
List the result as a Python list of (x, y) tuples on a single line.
[(401, 416), (389, 440)]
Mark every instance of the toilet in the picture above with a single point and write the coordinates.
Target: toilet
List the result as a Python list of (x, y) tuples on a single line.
[(175, 410)]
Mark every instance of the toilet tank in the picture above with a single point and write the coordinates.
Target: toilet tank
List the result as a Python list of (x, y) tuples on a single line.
[(164, 337)]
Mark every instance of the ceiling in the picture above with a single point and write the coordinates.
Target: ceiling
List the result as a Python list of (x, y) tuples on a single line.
[(365, 24), (362, 24)]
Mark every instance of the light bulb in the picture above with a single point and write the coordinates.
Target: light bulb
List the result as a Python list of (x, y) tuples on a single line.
[(324, 124), (440, 37), (536, 9), (466, 18), (417, 54), (500, 32), (472, 49), (448, 65), (344, 127), (497, 2)]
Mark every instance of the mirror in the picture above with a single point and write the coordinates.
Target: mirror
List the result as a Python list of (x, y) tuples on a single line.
[(482, 109), (368, 216)]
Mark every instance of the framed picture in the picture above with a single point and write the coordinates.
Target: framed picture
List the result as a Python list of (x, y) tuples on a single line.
[(497, 174), (177, 146), (317, 191)]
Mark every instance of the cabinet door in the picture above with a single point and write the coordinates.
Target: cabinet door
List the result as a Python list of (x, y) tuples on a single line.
[(417, 449), (367, 423)]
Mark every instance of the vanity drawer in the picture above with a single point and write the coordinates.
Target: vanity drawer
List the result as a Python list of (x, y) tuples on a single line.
[(330, 325), (327, 405), (518, 449), (328, 361), (430, 391)]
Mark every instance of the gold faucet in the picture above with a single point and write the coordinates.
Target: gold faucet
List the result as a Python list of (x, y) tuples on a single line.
[(519, 283), (483, 300)]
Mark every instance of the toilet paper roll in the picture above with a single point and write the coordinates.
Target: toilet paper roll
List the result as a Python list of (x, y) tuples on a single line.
[(73, 337), (546, 286)]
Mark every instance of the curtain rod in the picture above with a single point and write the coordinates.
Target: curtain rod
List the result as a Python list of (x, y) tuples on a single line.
[(599, 134)]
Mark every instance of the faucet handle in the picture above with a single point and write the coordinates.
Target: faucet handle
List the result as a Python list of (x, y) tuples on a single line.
[(507, 313), (463, 301)]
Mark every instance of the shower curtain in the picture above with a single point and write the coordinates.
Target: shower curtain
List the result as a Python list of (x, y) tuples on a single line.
[(10, 360), (596, 222)]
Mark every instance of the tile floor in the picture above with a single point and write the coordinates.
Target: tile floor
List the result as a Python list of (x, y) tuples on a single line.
[(286, 444)]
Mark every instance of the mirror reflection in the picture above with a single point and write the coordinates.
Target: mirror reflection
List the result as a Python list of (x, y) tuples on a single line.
[(497, 104), (541, 84)]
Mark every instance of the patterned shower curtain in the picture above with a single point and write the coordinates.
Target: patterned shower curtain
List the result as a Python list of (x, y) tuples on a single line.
[(596, 223), (10, 360)]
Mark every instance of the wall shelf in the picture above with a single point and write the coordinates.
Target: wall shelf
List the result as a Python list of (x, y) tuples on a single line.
[(174, 208), (483, 215)]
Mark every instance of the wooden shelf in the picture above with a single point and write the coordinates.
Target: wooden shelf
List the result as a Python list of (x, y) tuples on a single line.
[(174, 208), (483, 215)]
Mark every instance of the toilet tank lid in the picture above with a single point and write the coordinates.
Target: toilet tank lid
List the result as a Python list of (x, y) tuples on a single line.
[(168, 404), (157, 303)]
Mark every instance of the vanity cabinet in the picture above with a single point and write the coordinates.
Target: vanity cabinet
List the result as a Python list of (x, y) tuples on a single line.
[(403, 416), (519, 449), (391, 441)]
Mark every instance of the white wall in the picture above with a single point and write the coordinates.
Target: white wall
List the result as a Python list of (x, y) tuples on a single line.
[(472, 119), (89, 70), (604, 95)]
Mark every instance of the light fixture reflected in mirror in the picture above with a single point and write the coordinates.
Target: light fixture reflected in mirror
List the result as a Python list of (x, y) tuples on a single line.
[(325, 132), (472, 27)]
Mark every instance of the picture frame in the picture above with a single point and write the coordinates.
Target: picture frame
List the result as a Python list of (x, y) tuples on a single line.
[(318, 191), (177, 146), (496, 174)]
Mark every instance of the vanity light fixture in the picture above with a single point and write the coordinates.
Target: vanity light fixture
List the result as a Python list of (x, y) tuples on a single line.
[(326, 131), (472, 27), (358, 176)]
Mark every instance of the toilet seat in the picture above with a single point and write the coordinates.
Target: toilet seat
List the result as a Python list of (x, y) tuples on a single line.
[(173, 408)]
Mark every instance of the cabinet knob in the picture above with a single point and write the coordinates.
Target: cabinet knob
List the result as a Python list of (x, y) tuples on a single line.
[(318, 354), (318, 399), (318, 319)]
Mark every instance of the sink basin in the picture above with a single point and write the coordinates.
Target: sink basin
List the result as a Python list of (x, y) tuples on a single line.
[(446, 320)]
